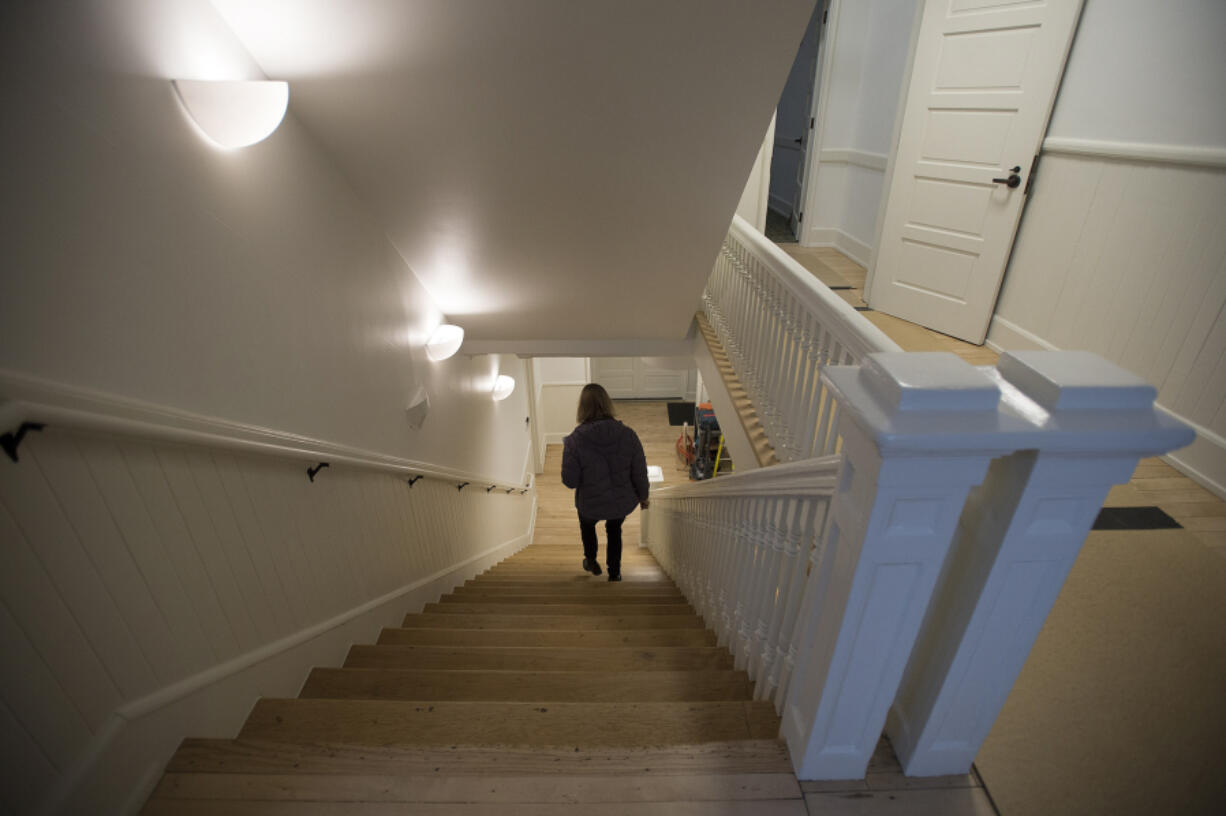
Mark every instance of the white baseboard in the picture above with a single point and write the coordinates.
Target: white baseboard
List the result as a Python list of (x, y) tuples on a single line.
[(849, 245), (1204, 461), (118, 770), (1004, 335)]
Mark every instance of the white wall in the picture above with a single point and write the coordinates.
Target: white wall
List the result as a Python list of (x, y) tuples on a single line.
[(755, 197), (864, 61), (1146, 72), (252, 286), (1122, 246), (151, 591), (559, 380), (139, 582)]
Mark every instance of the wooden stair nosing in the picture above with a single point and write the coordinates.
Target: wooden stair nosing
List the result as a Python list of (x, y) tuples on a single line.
[(566, 622), (545, 637), (578, 610), (382, 722), (211, 755), (548, 598), (539, 658), (527, 686), (433, 788)]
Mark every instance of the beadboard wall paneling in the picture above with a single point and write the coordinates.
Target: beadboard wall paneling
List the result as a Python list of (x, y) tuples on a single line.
[(129, 566), (1126, 257)]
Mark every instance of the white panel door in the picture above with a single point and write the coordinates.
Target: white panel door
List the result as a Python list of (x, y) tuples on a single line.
[(983, 82), (633, 378)]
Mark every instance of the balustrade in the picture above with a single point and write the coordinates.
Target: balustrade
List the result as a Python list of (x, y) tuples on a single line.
[(781, 327), (820, 575)]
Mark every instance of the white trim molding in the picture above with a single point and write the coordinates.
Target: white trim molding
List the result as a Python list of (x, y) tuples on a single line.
[(850, 155), (849, 245), (1204, 461), (1201, 156)]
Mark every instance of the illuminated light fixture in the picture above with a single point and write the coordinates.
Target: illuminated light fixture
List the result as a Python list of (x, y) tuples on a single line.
[(503, 386), (234, 113), (444, 342)]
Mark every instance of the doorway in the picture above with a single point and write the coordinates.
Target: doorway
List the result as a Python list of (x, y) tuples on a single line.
[(794, 127)]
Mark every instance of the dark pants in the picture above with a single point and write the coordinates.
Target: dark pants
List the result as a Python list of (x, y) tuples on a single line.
[(613, 552)]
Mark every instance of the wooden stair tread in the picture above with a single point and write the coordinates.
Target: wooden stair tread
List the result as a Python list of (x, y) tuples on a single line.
[(366, 787), (554, 621), (234, 807), (383, 722), (576, 598), (262, 756), (539, 658), (546, 637), (526, 686), (498, 609)]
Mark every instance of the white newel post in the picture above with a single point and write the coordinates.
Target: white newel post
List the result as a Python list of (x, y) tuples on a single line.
[(1091, 422), (918, 432)]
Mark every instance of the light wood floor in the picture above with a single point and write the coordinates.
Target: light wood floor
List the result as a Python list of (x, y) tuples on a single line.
[(1155, 482)]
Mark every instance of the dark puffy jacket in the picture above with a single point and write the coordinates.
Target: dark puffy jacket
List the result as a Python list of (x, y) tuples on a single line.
[(603, 461)]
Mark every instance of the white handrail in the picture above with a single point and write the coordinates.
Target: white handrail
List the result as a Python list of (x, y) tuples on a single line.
[(781, 326), (29, 399)]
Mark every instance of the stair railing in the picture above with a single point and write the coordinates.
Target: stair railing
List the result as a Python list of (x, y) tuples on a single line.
[(900, 584), (909, 576), (740, 547), (781, 326)]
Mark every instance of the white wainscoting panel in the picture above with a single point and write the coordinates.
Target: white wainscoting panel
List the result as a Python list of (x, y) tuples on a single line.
[(134, 574), (1125, 255)]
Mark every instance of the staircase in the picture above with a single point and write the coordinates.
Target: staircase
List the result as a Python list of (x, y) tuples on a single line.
[(530, 689)]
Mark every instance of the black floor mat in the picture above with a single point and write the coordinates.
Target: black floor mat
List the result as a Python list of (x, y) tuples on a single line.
[(680, 413)]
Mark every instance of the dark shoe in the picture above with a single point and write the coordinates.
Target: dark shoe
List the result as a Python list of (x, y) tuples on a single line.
[(593, 567), (614, 576)]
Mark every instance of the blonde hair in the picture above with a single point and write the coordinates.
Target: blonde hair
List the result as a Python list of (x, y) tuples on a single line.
[(594, 404)]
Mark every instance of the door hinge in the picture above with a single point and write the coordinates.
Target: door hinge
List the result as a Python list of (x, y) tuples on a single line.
[(812, 122), (1034, 166), (825, 14), (800, 218)]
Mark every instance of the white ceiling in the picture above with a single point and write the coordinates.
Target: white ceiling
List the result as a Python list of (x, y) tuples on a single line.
[(550, 169)]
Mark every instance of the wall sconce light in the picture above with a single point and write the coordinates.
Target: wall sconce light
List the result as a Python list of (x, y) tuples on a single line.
[(234, 113), (503, 386), (444, 342), (419, 406)]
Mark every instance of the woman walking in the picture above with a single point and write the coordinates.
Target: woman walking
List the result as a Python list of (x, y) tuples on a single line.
[(603, 462)]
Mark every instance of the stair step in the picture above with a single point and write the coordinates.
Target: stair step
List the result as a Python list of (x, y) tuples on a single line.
[(527, 686), (562, 598), (543, 658), (589, 589), (234, 807), (576, 579), (522, 637), (496, 609), (257, 756), (561, 790), (555, 621), (384, 723)]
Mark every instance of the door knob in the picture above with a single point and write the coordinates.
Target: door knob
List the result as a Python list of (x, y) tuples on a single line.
[(1014, 180)]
